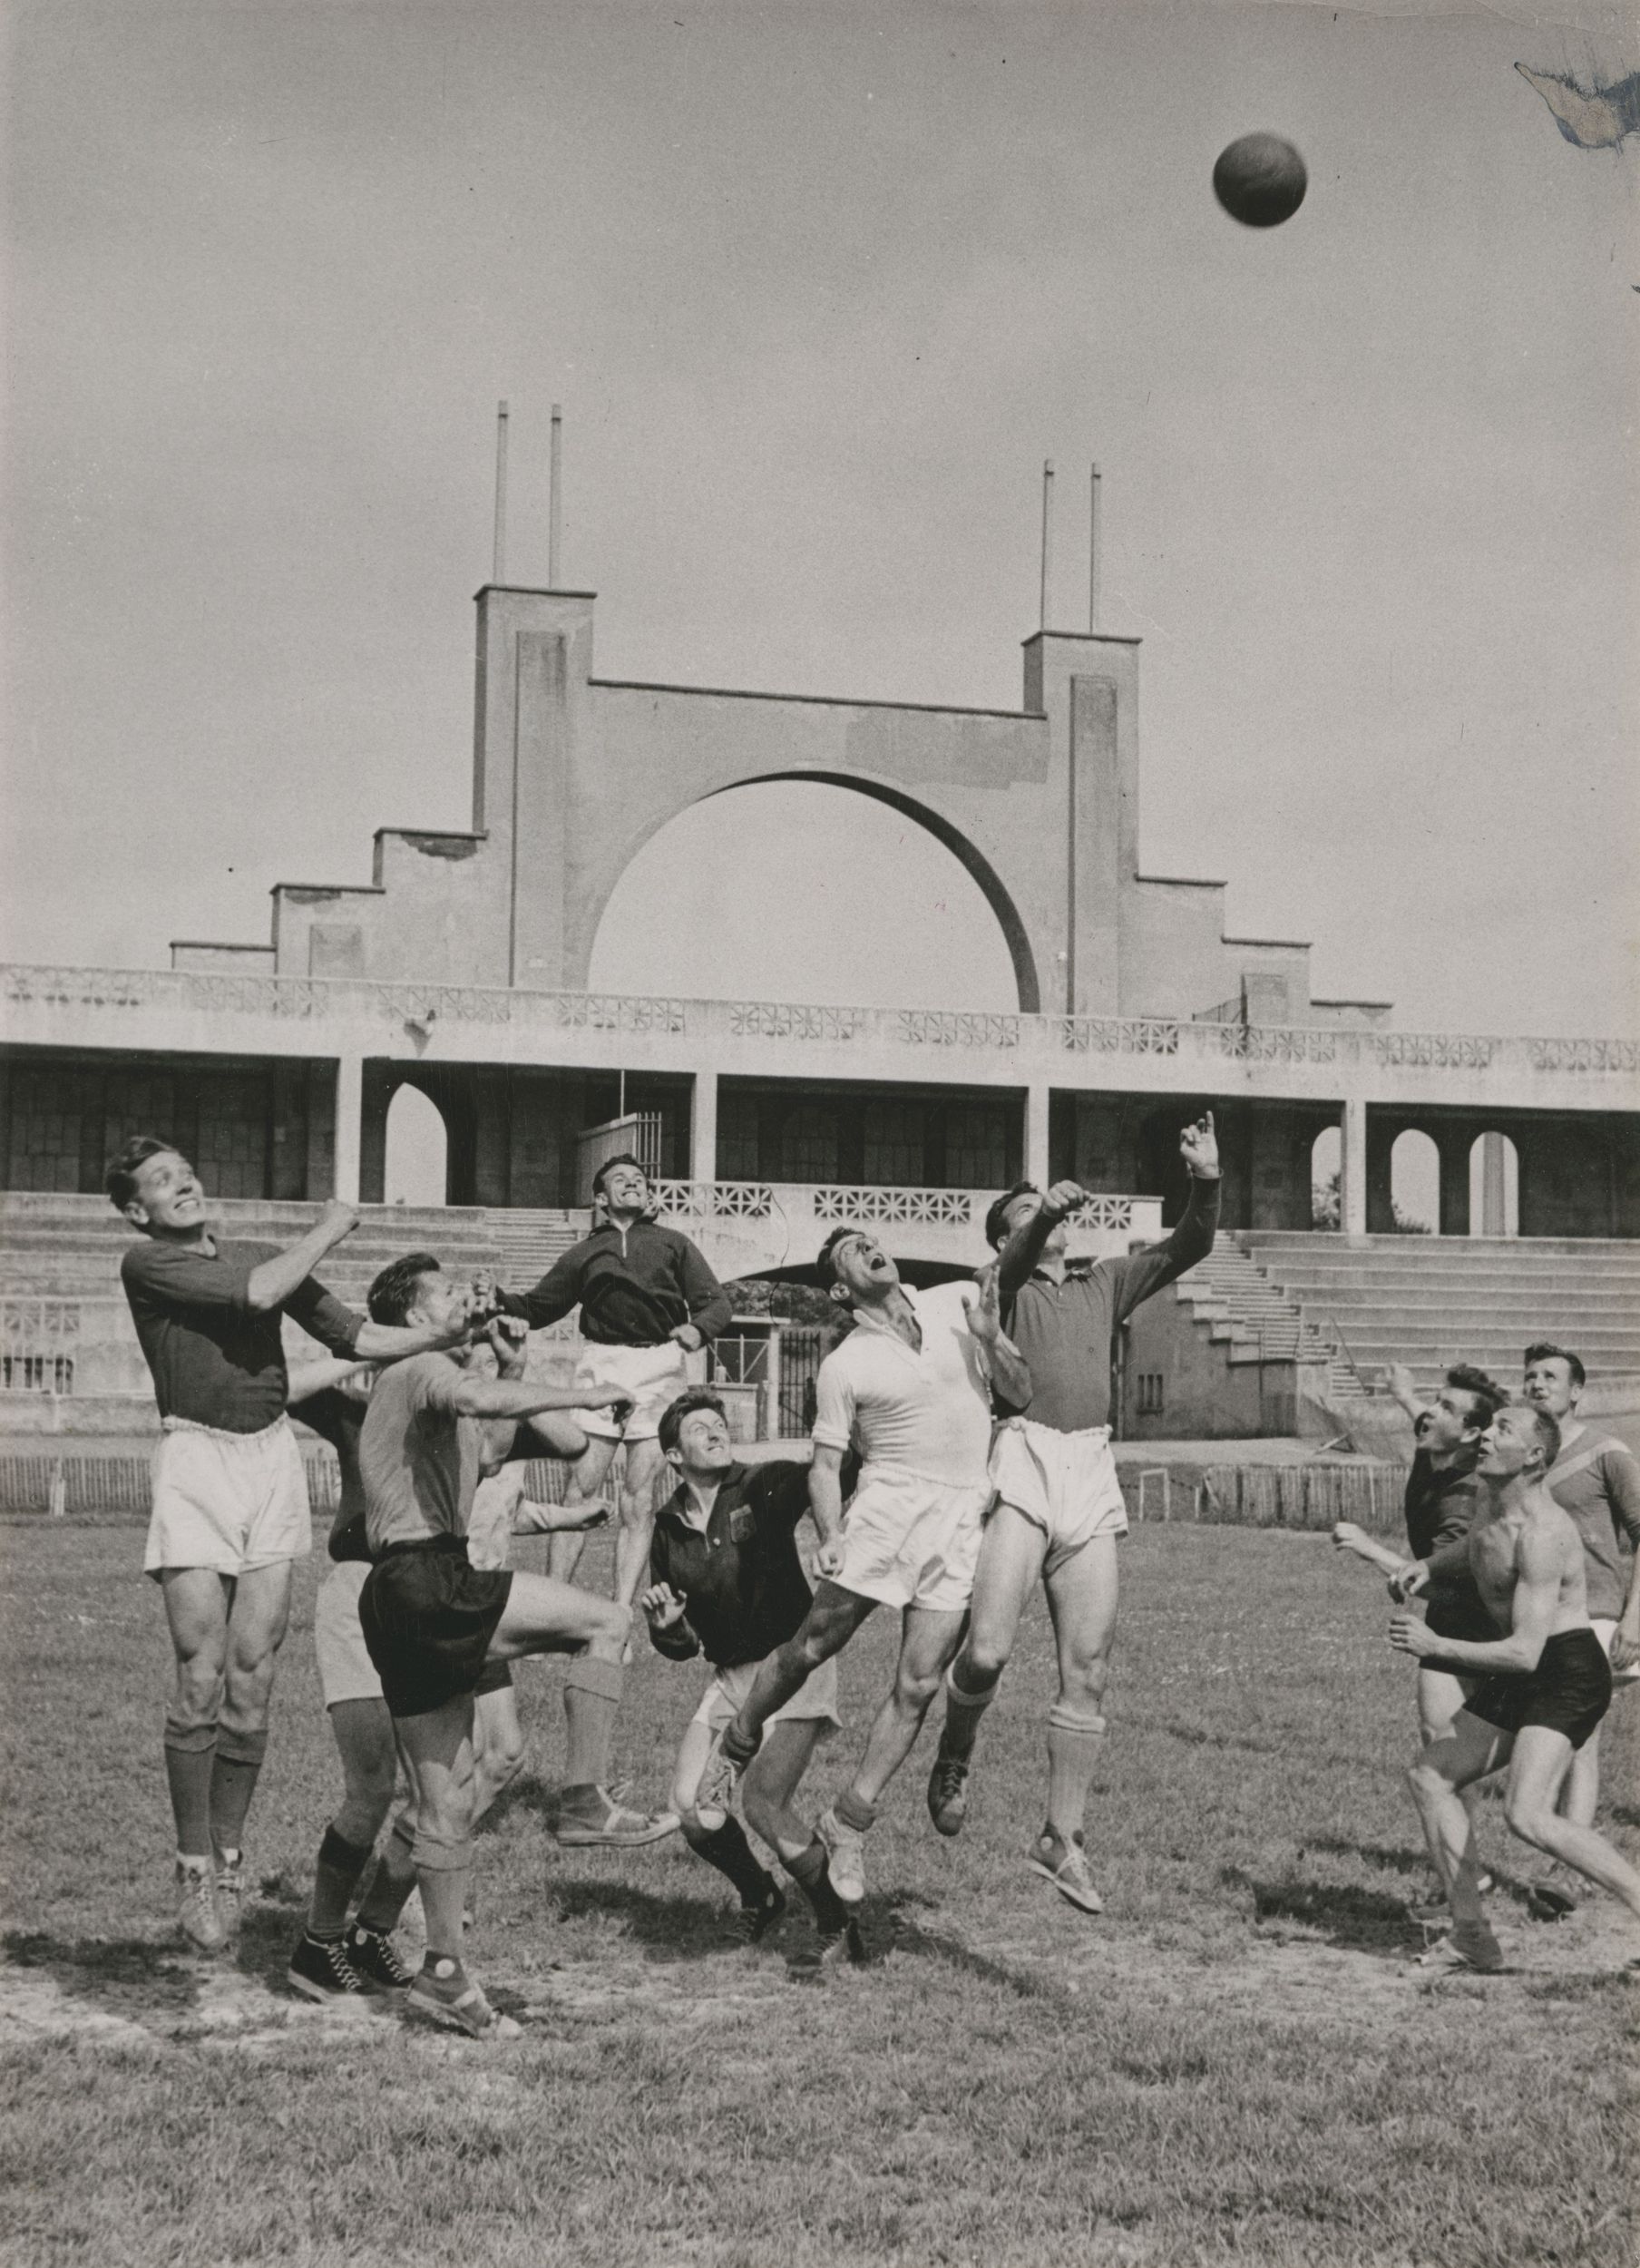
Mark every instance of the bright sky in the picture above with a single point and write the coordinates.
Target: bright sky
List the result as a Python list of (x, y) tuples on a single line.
[(820, 285)]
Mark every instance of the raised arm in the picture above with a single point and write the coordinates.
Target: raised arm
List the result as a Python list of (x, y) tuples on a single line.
[(1017, 1257), (305, 1379), (1010, 1372), (271, 1282), (1144, 1273), (1398, 1387), (1348, 1536)]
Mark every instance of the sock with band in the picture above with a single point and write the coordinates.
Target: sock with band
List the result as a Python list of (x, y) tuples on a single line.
[(1074, 1743), (727, 1850), (807, 1870), (592, 1691), (335, 1877), (189, 1761), (394, 1878), (964, 1707), (233, 1778)]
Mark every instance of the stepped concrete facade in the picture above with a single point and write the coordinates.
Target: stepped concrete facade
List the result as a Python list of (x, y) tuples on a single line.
[(459, 970)]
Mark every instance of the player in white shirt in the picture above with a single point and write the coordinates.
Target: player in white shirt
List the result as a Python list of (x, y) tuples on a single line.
[(910, 1390)]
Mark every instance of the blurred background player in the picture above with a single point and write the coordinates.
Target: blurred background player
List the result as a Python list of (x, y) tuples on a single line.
[(432, 1619), (727, 1580), (909, 1391), (230, 1496), (1596, 1480), (1059, 1510), (333, 1959), (1441, 1496)]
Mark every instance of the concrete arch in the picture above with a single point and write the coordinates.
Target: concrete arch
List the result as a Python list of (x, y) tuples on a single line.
[(952, 837)]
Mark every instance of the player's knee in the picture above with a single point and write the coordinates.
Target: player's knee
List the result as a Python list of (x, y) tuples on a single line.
[(915, 1687), (1427, 1781), (1532, 1821), (198, 1697), (984, 1658)]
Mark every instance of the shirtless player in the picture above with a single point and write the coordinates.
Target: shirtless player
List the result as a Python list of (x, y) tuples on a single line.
[(1544, 1687)]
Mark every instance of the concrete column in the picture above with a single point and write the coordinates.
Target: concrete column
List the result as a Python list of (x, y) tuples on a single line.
[(1493, 1209), (703, 1128), (349, 1118), (1353, 1178), (1035, 1135)]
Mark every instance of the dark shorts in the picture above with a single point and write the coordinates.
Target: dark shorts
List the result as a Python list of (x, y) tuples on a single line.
[(1569, 1691), (428, 1615)]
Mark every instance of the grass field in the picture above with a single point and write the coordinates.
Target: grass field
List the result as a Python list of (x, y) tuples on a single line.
[(1237, 2061)]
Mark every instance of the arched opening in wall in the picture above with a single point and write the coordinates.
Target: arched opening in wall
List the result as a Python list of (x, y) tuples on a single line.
[(1326, 1158), (418, 1151), (1415, 1184), (802, 890), (1494, 1187)]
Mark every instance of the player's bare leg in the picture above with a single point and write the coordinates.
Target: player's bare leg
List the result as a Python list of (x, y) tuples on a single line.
[(437, 1749), (644, 1463), (586, 1486), (1010, 1562), (1537, 1770), (718, 1838), (928, 1642), (834, 1616), (1444, 1769), (258, 1620), (498, 1747), (196, 1613), (1082, 1601), (1440, 1695)]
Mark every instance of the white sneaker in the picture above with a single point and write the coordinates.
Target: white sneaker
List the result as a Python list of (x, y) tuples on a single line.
[(197, 1904), (230, 1894), (844, 1857)]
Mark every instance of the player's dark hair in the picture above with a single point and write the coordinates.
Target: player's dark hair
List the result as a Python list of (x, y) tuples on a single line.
[(393, 1295), (825, 1265), (120, 1179), (622, 1158), (1545, 1351), (996, 1216), (691, 1399), (1487, 1397)]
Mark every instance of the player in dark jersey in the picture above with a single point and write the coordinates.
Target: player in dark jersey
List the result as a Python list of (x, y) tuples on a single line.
[(1058, 1509), (727, 1580)]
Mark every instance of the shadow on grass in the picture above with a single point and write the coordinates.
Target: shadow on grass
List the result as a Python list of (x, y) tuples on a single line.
[(1403, 1860), (1363, 1921), (666, 1928), (129, 1977), (1626, 1814), (1207, 1737), (908, 1935)]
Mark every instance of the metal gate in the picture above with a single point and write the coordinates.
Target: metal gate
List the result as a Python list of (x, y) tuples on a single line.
[(801, 1345)]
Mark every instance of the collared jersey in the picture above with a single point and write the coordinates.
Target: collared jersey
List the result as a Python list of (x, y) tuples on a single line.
[(419, 1457), (740, 1576), (926, 1411), (1597, 1481), (1065, 1331), (634, 1286), (214, 1359)]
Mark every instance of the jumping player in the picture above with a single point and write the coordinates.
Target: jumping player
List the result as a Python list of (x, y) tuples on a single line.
[(910, 1390), (1059, 1508), (432, 1619), (230, 1497), (1596, 1482), (1544, 1687), (1441, 1496), (647, 1299), (333, 1960), (727, 1580)]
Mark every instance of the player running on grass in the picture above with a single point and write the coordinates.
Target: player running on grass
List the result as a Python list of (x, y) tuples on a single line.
[(334, 1961), (1058, 1509), (432, 1619), (727, 1580), (230, 1496), (1544, 1687), (1442, 1493), (910, 1390)]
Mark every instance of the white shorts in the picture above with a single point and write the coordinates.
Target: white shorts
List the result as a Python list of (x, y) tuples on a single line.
[(1605, 1632), (817, 1697), (1063, 1483), (346, 1672), (651, 1376), (909, 1541), (227, 1501)]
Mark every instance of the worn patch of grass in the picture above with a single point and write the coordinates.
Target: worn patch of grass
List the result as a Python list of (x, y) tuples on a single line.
[(1235, 2062)]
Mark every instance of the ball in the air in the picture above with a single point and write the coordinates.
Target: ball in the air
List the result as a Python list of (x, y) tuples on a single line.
[(1260, 180)]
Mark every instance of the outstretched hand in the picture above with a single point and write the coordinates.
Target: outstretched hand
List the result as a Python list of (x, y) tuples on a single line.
[(663, 1606), (985, 1314), (1198, 1147)]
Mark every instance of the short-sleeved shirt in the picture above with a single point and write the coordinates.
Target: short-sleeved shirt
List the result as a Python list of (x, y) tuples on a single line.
[(1596, 1480), (418, 1457), (1065, 1331), (214, 1359), (925, 1411)]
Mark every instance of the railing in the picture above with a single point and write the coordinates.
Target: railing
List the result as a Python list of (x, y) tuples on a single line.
[(37, 1342), (327, 998)]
